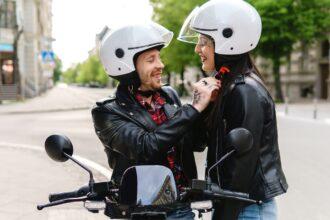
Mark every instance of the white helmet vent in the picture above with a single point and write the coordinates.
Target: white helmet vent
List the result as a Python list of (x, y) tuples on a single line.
[(119, 53), (227, 32)]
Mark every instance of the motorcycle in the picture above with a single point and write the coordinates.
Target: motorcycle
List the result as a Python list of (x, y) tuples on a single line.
[(146, 191)]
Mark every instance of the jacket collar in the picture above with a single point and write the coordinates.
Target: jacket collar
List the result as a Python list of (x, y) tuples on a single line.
[(131, 108)]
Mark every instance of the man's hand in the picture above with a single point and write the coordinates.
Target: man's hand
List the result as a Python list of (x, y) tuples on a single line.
[(205, 91)]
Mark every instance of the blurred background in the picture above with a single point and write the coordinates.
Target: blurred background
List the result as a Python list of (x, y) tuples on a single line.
[(50, 77)]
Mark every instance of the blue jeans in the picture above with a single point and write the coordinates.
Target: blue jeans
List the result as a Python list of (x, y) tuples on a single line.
[(182, 214), (266, 211)]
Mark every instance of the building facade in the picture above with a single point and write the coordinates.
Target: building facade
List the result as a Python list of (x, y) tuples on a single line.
[(26, 57), (305, 73)]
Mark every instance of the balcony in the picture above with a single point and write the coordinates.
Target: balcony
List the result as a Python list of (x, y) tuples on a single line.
[(8, 14)]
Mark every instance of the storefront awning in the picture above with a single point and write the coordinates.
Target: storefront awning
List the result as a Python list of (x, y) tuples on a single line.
[(6, 48)]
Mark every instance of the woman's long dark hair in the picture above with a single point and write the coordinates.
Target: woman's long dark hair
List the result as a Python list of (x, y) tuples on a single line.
[(242, 64)]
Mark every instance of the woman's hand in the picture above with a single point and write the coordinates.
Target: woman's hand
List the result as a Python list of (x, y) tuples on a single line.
[(205, 91)]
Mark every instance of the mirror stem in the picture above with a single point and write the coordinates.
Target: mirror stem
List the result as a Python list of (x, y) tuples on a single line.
[(91, 178), (218, 162)]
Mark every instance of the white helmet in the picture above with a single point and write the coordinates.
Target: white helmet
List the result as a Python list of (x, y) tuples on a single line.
[(119, 47), (234, 25)]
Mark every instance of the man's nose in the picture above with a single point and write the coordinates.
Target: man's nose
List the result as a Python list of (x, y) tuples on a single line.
[(197, 49), (160, 64)]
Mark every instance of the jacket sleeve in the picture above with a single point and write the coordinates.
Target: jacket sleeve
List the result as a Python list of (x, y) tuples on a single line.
[(134, 142), (196, 137), (245, 109)]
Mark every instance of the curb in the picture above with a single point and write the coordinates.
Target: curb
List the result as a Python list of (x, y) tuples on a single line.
[(325, 121), (44, 110)]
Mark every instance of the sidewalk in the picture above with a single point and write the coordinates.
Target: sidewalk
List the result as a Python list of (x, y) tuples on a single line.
[(307, 110), (60, 98)]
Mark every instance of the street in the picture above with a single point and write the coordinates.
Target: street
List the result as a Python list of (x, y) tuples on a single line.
[(28, 176), (304, 149)]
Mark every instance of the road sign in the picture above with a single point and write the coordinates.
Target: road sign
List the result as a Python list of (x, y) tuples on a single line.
[(47, 56)]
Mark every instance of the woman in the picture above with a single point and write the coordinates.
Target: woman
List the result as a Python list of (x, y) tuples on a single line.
[(226, 31), (145, 122)]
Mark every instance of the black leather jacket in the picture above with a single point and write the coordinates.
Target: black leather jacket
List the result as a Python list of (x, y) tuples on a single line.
[(258, 172), (131, 137)]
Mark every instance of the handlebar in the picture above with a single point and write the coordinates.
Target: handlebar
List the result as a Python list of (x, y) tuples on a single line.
[(224, 192), (96, 192), (231, 196), (73, 194), (205, 189), (60, 202)]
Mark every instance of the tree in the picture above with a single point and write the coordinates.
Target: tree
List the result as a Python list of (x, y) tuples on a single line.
[(58, 70), (171, 14), (278, 37), (90, 71), (286, 22), (313, 22), (70, 75)]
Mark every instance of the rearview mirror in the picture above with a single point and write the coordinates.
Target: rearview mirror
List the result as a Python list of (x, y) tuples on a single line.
[(57, 145), (240, 139)]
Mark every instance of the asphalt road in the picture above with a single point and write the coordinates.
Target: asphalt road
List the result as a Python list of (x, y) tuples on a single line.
[(304, 146)]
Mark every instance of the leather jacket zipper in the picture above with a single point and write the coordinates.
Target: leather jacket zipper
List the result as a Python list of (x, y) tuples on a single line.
[(225, 126), (216, 155)]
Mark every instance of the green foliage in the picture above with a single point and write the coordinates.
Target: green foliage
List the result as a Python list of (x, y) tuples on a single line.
[(312, 19), (90, 71), (171, 14), (278, 22), (58, 70), (286, 22), (70, 75)]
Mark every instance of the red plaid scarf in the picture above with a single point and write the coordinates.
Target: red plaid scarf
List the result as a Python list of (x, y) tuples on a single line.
[(158, 115)]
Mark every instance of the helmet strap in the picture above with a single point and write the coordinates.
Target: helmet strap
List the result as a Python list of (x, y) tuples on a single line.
[(146, 94), (230, 64), (131, 89)]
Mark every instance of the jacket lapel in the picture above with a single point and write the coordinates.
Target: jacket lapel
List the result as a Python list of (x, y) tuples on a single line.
[(170, 110), (143, 116), (130, 108)]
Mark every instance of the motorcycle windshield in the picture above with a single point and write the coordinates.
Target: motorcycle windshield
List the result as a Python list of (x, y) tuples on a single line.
[(187, 34), (163, 32), (148, 185), (156, 185)]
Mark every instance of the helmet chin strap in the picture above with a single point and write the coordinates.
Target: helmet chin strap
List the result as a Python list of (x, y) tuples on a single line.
[(131, 81), (229, 64), (146, 94)]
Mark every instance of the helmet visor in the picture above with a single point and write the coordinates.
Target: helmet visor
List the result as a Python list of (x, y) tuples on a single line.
[(187, 34), (165, 34)]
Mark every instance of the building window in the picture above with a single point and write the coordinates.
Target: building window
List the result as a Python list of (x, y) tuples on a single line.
[(325, 48), (7, 14)]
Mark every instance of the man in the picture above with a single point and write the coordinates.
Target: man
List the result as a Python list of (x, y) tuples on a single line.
[(145, 122)]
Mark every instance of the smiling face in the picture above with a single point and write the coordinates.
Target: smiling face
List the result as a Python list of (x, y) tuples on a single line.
[(205, 49), (149, 67)]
